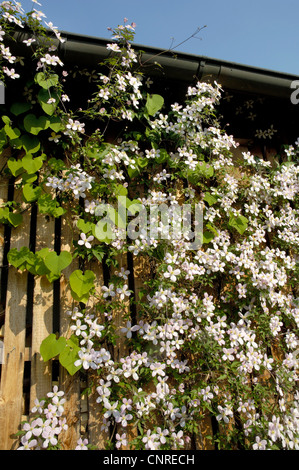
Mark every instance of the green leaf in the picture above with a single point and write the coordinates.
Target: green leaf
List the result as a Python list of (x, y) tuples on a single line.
[(133, 172), (34, 125), (43, 98), (81, 284), (46, 81), (31, 144), (20, 108), (56, 263), (98, 253), (32, 165), (163, 156), (202, 170), (210, 199), (85, 227), (153, 104), (18, 258), (240, 223), (38, 267), (28, 178), (120, 190), (99, 152), (6, 120), (3, 138), (69, 355), (55, 123), (51, 347), (15, 218), (142, 162), (12, 133), (4, 211), (56, 164), (47, 205), (207, 236), (31, 193), (15, 166)]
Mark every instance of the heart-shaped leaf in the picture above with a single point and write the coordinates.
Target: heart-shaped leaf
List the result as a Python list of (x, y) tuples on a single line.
[(32, 165), (34, 124), (47, 205), (15, 218), (154, 103), (47, 105), (46, 81), (18, 258), (210, 199), (15, 166), (85, 226), (29, 178), (51, 347), (12, 133), (207, 236), (239, 223), (30, 143), (81, 284), (39, 268), (69, 355), (55, 123), (31, 193), (20, 108), (4, 211), (56, 263)]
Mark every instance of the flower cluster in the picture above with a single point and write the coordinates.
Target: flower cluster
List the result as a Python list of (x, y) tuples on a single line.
[(44, 430), (214, 328), (76, 181)]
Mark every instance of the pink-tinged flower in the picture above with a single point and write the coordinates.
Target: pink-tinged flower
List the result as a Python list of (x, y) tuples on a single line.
[(55, 393), (161, 434), (27, 445), (121, 440), (82, 444), (11, 73), (259, 444), (157, 368), (85, 240), (28, 42), (38, 406), (113, 47)]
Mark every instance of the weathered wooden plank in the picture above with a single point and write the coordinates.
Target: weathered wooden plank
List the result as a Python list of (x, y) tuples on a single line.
[(206, 430), (4, 182), (96, 436), (70, 385), (3, 200), (119, 320), (11, 388), (42, 320)]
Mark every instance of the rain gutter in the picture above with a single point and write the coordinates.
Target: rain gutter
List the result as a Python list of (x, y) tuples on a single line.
[(88, 51)]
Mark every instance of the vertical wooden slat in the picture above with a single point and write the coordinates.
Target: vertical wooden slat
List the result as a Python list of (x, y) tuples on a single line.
[(96, 437), (206, 430), (3, 200), (120, 349), (70, 385), (41, 380), (11, 389)]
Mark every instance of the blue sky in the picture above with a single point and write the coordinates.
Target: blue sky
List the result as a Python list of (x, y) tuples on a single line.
[(261, 33)]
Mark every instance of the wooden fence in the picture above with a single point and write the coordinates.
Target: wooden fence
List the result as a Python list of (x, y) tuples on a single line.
[(31, 309)]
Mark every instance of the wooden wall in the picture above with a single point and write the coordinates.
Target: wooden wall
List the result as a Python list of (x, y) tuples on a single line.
[(31, 309)]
